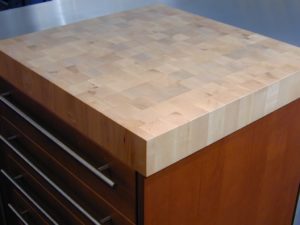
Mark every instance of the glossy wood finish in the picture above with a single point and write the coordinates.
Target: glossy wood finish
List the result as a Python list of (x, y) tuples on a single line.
[(250, 177), (86, 189), (71, 184), (122, 197)]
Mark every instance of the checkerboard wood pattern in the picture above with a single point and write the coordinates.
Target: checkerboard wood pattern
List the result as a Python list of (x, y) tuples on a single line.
[(156, 84)]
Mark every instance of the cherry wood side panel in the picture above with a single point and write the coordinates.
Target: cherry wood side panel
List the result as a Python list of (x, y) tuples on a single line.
[(248, 178)]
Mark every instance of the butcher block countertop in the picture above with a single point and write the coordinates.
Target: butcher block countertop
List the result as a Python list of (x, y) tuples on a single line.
[(153, 85)]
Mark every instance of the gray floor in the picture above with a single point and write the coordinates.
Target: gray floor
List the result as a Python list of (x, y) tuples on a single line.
[(297, 216), (275, 18)]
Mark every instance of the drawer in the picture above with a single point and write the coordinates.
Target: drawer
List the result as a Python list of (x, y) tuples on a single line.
[(63, 205), (23, 201), (21, 211), (91, 172)]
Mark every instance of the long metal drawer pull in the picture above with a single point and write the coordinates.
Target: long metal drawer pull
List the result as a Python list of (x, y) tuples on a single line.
[(68, 150), (16, 185), (52, 184), (17, 214)]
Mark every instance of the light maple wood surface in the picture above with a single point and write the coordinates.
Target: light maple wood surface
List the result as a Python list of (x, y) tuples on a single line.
[(156, 84)]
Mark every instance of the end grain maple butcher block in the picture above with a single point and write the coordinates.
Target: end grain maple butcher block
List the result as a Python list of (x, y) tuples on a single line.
[(151, 116)]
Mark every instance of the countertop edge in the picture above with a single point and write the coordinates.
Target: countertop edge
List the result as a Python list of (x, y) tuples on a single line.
[(150, 156), (187, 139), (123, 144)]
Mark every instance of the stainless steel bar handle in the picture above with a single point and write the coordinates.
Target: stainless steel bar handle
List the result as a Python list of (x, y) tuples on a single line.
[(59, 143), (16, 185), (52, 184), (17, 214)]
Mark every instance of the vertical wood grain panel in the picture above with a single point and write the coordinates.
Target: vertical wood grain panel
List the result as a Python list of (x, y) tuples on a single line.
[(250, 177)]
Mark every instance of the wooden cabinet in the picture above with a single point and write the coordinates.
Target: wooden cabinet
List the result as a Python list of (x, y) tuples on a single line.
[(250, 177), (52, 174), (59, 173)]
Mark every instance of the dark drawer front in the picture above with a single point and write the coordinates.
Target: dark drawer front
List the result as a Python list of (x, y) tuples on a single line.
[(68, 155), (24, 196), (62, 205), (21, 211)]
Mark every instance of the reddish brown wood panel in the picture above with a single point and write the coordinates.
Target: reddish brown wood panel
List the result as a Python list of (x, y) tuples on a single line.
[(248, 178)]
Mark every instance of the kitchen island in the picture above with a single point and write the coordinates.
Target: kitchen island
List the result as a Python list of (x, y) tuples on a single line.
[(172, 117)]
